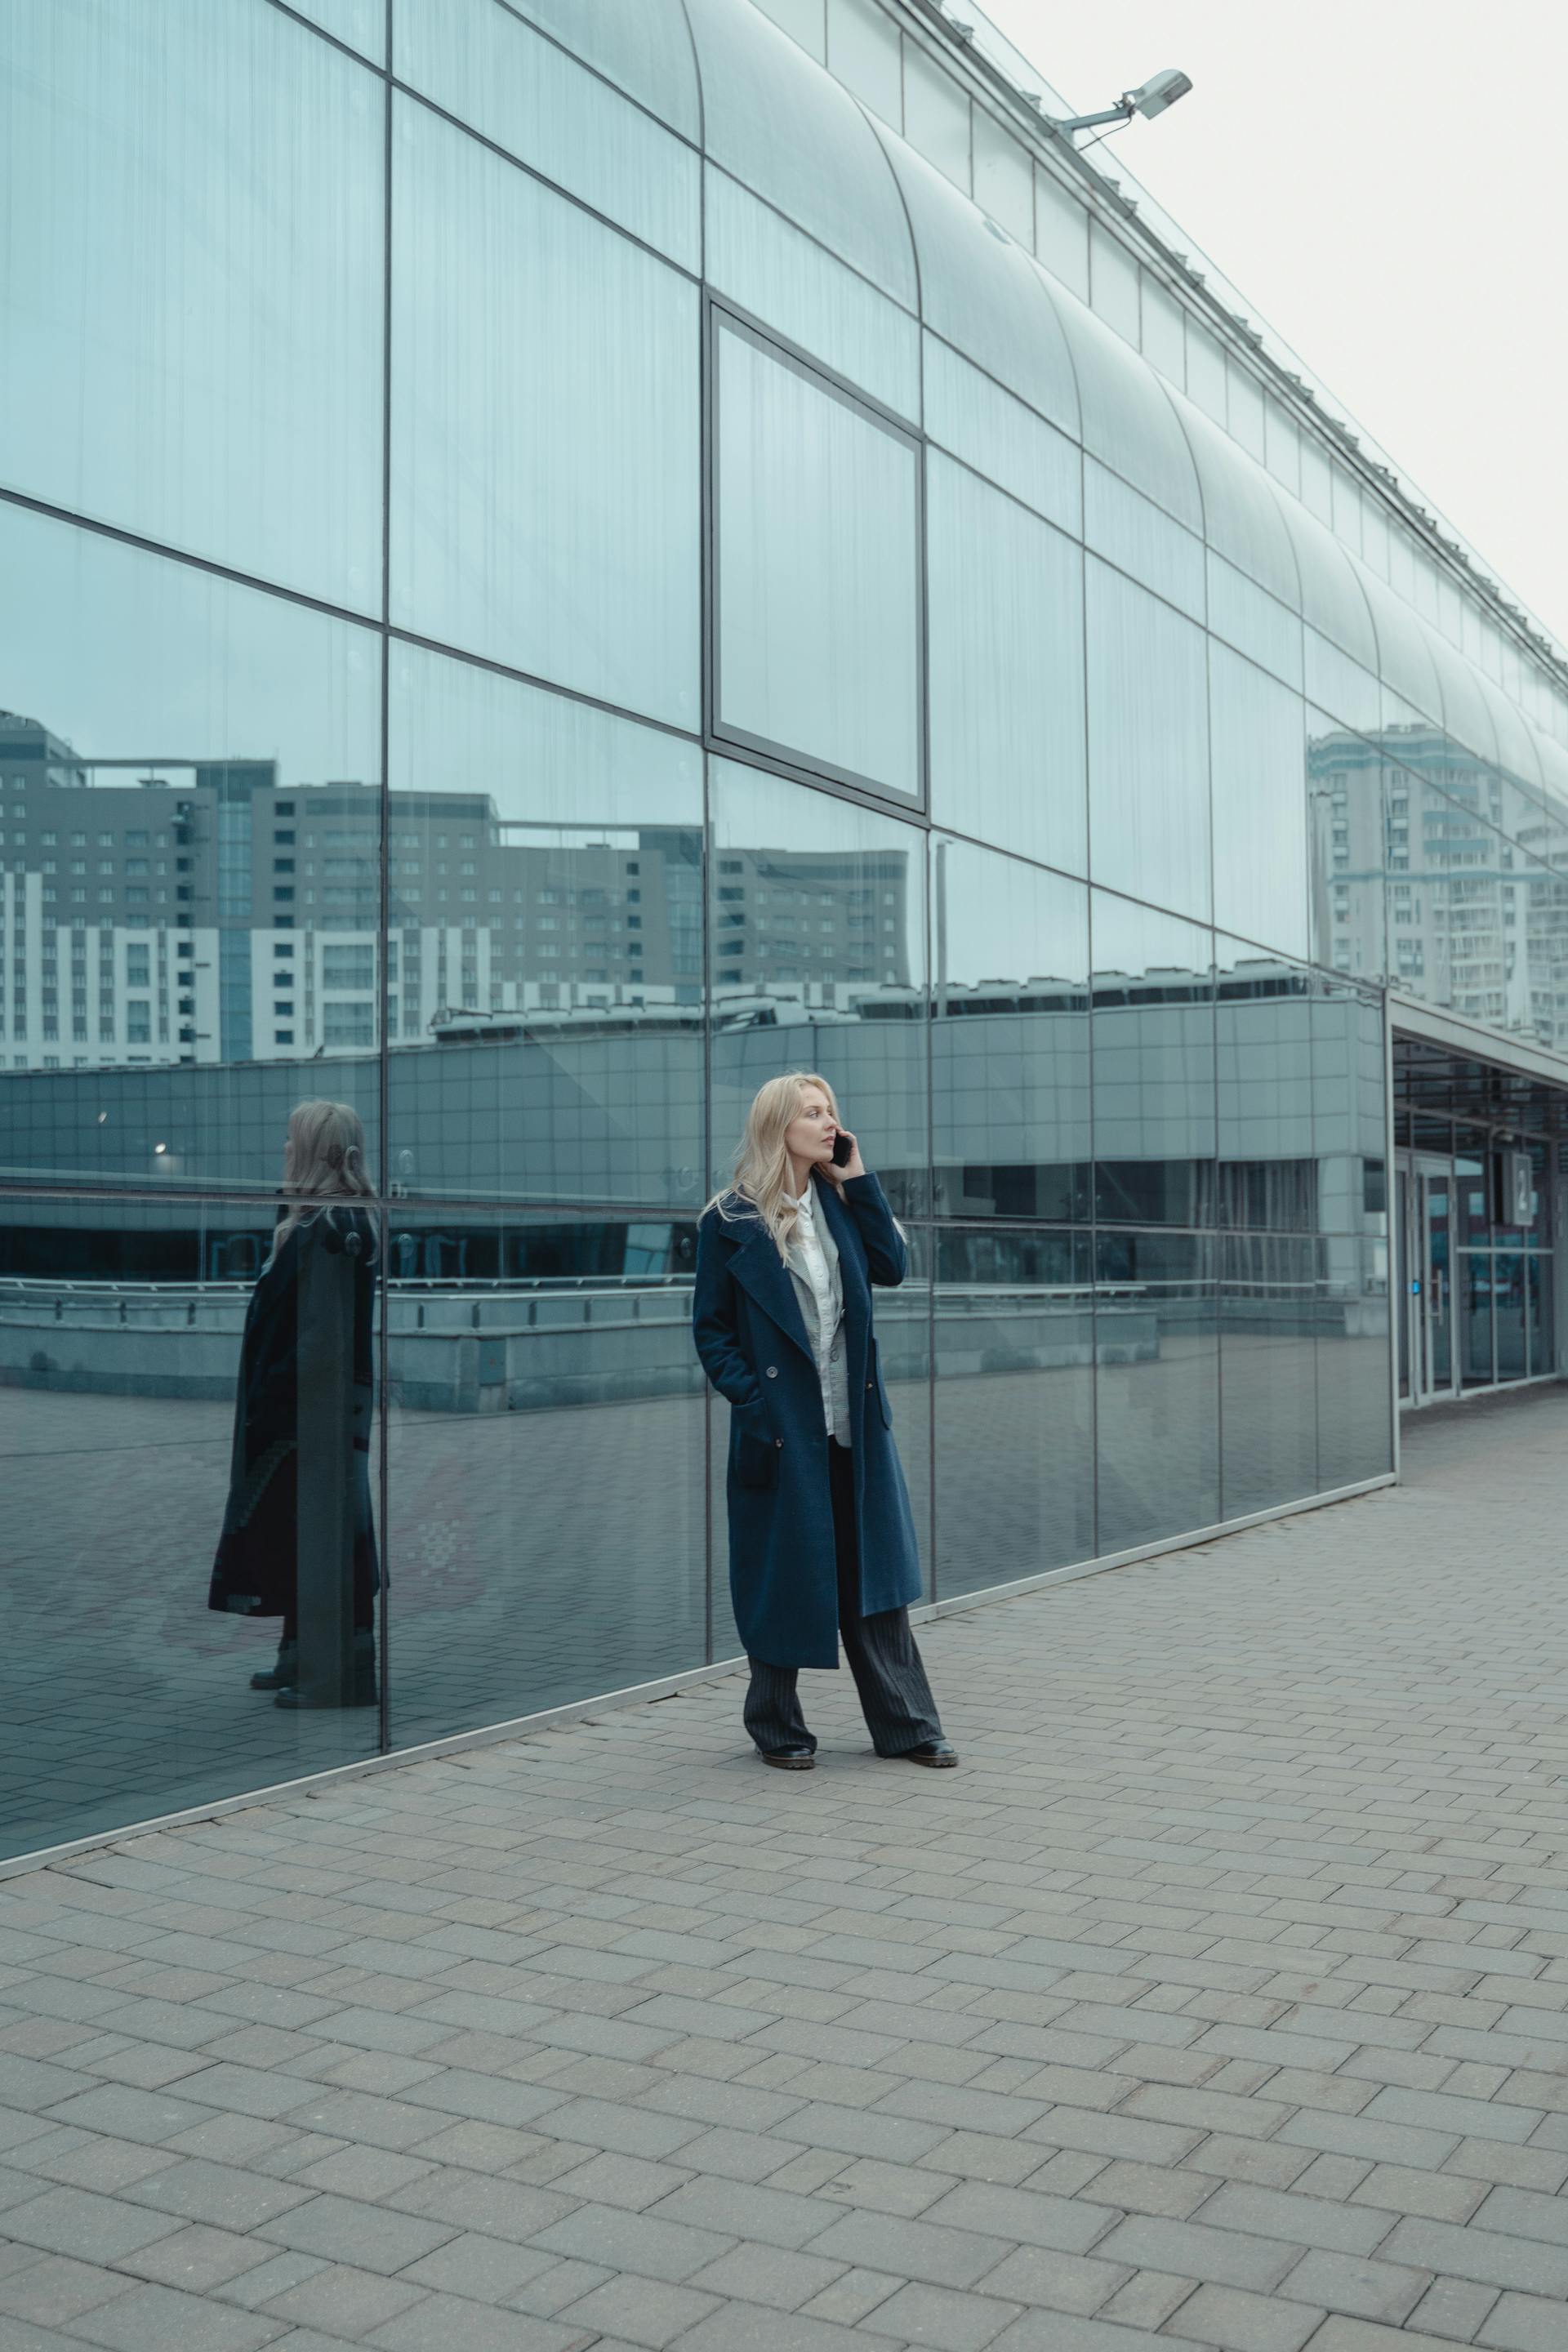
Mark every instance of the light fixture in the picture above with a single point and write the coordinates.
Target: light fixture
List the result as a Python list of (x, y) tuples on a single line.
[(1151, 98), (160, 1147)]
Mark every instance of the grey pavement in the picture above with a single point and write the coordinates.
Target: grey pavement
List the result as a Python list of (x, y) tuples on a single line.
[(1220, 1998)]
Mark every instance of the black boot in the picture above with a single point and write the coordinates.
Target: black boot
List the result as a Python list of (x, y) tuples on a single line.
[(284, 1671)]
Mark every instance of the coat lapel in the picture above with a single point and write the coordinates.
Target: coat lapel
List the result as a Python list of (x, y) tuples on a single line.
[(841, 1224), (763, 1275)]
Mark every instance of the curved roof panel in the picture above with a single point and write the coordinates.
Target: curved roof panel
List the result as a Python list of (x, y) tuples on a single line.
[(1241, 515), (1128, 423), (1516, 749), (797, 137), (1466, 715), (1331, 597), (982, 293), (1405, 663)]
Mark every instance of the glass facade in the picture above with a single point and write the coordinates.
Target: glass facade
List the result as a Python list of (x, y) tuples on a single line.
[(593, 575)]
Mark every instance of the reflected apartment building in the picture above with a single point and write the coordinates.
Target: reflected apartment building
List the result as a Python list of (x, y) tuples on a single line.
[(672, 545)]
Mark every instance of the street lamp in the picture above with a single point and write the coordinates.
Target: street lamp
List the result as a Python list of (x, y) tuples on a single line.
[(1151, 98)]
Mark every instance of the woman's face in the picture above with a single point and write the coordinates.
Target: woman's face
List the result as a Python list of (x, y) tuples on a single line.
[(811, 1132)]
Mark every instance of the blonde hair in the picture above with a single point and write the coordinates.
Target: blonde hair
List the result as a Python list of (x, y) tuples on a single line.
[(761, 1180), (323, 1161)]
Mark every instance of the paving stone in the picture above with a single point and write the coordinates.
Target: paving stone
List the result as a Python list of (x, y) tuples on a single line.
[(95, 2229), (633, 2242), (1218, 2257), (54, 2290), (1303, 2221), (939, 2316), (1456, 2309), (343, 2301), (1234, 2321), (344, 2230), (1036, 2274), (639, 2311), (156, 2319), (1356, 2283), (457, 2326), (1523, 2322)]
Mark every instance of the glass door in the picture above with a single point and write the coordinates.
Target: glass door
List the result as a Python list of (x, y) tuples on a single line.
[(1425, 1200)]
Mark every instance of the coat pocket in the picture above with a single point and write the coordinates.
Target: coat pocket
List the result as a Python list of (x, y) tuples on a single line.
[(756, 1460), (883, 1404)]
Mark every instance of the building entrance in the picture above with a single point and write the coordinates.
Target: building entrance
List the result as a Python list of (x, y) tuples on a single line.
[(1480, 1179)]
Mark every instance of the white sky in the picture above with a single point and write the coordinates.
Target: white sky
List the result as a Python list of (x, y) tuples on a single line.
[(1376, 176)]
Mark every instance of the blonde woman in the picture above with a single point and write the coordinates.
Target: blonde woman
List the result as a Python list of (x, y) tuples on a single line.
[(298, 1541), (822, 1541)]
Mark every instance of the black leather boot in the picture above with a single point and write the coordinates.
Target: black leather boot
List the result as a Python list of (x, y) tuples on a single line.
[(284, 1671)]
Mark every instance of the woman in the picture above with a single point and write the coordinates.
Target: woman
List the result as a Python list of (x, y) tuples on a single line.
[(821, 1536), (297, 1541)]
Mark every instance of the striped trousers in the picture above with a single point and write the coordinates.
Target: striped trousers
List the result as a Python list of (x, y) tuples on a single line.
[(895, 1696)]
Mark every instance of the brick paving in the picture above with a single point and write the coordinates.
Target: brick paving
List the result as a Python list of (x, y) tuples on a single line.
[(1221, 1999)]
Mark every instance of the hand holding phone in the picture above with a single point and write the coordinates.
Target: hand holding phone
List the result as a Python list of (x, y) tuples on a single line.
[(846, 1161), (843, 1149)]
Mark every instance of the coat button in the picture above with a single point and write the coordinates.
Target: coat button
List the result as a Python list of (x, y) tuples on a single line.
[(870, 1384), (779, 1443), (772, 1372)]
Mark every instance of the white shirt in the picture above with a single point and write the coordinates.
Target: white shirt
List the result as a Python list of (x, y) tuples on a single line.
[(827, 1296)]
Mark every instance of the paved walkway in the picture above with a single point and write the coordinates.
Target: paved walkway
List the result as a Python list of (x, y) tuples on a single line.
[(1221, 1999)]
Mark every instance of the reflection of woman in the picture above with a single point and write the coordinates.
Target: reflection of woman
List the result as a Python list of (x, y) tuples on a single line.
[(298, 1541), (821, 1536)]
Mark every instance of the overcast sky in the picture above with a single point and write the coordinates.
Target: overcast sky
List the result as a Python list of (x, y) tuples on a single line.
[(1376, 176)]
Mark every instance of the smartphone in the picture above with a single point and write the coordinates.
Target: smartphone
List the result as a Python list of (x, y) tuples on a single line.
[(843, 1149)]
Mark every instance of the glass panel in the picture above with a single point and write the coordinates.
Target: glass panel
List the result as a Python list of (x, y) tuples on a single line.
[(1148, 745), (1473, 1293), (642, 45), (1515, 743), (1015, 1405), (1205, 371), (1154, 1107), (1164, 332), (525, 94), (1405, 658), (533, 1365), (545, 965), (818, 962), (1466, 715), (1263, 1025), (1509, 1303), (1349, 1111), (1282, 441), (1269, 1370), (1244, 407), (970, 415), (1345, 840), (982, 293), (172, 896), (362, 24), (1340, 685), (781, 125), (1331, 596), (1256, 623), (1355, 1438), (1257, 730), (936, 116), (1141, 538), (1061, 233), (803, 20), (786, 279), (545, 427), (863, 53), (1241, 513), (1006, 670), (124, 1461), (1474, 1178), (1009, 1043), (1157, 1387), (215, 387), (818, 605), (1114, 284), (1004, 178), (1128, 416), (1539, 1285)]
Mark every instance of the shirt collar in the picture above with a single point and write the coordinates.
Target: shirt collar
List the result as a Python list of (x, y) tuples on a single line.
[(805, 1204)]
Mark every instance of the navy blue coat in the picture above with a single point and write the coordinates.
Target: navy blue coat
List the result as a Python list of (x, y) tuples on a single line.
[(752, 1342)]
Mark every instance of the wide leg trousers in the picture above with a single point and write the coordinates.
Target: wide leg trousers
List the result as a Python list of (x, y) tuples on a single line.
[(895, 1696)]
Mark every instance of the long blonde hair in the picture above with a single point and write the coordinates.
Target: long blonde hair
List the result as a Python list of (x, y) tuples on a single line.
[(761, 1182), (323, 1161)]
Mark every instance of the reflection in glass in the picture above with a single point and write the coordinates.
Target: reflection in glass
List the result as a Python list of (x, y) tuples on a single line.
[(817, 950), (1350, 1113), (819, 637), (1540, 1275), (1348, 849), (1015, 1405), (204, 370), (1475, 1291), (1268, 1413), (544, 964), (1148, 746), (535, 1365), (1257, 732), (191, 775), (1509, 1314), (1007, 671), (122, 1696), (1154, 1106), (1355, 1403), (1269, 1176), (1009, 1045), (1157, 1387), (544, 430)]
